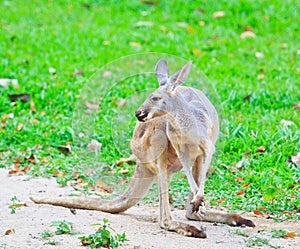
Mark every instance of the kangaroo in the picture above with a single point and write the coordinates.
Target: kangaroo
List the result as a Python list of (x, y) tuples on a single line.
[(177, 128)]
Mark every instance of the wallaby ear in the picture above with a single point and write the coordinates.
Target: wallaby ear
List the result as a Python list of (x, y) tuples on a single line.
[(161, 71), (180, 76)]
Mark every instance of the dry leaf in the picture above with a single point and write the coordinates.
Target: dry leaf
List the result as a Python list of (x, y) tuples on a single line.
[(144, 24), (290, 235), (58, 173), (33, 121), (149, 2), (261, 149), (76, 174), (241, 163), (23, 97), (219, 14), (20, 127), (201, 23), (32, 106), (123, 171), (190, 29), (221, 200), (247, 34), (6, 82), (45, 160), (103, 187), (52, 70), (257, 212), (240, 193), (91, 106), (9, 231), (239, 179), (65, 149), (296, 106), (137, 247), (94, 145), (296, 159), (247, 185), (106, 43), (260, 76), (107, 74), (132, 158), (121, 102), (32, 159), (135, 44), (286, 122), (259, 55)]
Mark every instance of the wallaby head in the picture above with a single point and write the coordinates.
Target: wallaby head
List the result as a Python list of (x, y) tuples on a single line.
[(161, 101)]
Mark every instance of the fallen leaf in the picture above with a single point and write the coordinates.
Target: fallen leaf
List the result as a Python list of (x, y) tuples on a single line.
[(135, 44), (78, 72), (201, 23), (58, 173), (233, 170), (259, 55), (137, 247), (123, 171), (33, 121), (65, 149), (239, 179), (103, 187), (32, 159), (286, 122), (290, 235), (221, 200), (85, 242), (247, 34), (94, 145), (105, 43), (190, 29), (132, 158), (247, 98), (260, 76), (296, 106), (219, 14), (9, 231), (45, 160), (52, 70), (241, 163), (107, 74), (248, 28), (296, 159), (20, 127), (247, 185), (6, 82), (144, 24), (76, 174), (121, 102), (32, 106), (261, 149), (257, 212), (23, 97), (240, 193), (91, 106), (18, 205), (149, 2)]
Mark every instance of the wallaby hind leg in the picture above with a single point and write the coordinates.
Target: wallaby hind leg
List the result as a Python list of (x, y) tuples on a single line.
[(136, 190), (166, 220)]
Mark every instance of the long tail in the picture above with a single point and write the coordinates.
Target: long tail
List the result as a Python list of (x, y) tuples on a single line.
[(136, 190)]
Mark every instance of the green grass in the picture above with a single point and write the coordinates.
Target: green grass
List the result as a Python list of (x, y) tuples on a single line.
[(85, 35)]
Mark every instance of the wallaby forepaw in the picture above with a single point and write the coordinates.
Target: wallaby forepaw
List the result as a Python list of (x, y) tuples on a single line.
[(195, 232), (197, 203)]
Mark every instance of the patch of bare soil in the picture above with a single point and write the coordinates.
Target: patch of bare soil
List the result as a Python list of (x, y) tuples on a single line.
[(139, 223)]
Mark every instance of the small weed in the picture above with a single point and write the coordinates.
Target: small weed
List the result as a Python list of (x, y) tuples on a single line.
[(52, 242), (239, 232), (257, 241), (63, 227), (103, 237), (16, 203), (46, 234)]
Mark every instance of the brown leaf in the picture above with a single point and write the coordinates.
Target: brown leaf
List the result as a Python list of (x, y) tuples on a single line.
[(85, 242), (31, 159), (23, 97), (45, 160), (261, 149), (219, 14), (201, 23), (296, 106), (9, 231), (132, 158), (32, 106), (65, 149), (76, 174), (221, 200), (123, 171), (94, 145), (257, 212), (137, 247), (149, 2), (91, 106), (248, 28), (290, 235), (190, 29), (247, 34), (103, 187), (247, 185), (58, 173), (240, 193), (33, 121), (135, 44), (20, 127), (296, 159), (239, 179)]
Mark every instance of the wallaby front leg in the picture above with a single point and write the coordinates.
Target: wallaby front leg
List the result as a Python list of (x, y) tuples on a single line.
[(166, 220)]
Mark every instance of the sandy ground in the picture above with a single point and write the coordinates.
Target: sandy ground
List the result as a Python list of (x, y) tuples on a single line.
[(139, 223)]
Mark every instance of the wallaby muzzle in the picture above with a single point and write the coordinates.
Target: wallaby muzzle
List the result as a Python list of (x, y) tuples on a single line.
[(141, 115)]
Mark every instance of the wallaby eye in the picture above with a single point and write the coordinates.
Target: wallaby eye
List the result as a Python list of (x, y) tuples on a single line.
[(155, 98)]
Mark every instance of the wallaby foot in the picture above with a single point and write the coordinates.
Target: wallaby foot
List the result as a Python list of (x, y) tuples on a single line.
[(197, 202), (184, 229)]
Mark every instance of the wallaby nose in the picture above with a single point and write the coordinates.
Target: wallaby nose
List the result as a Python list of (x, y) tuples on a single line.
[(138, 113)]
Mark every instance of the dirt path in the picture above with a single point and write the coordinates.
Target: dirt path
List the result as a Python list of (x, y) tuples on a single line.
[(139, 223)]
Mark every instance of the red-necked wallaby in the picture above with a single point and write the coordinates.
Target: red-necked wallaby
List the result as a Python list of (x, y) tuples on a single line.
[(177, 128)]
